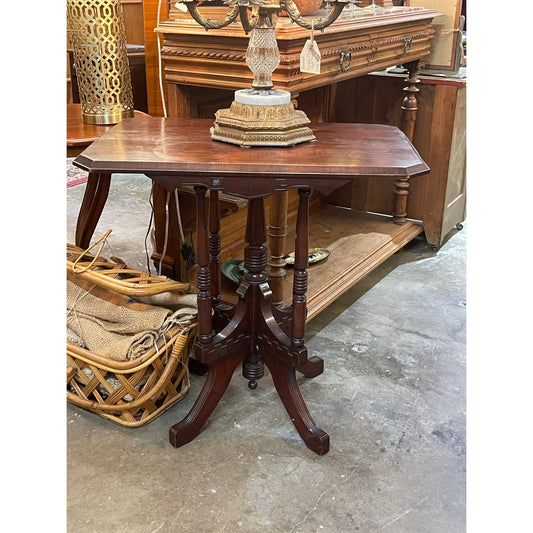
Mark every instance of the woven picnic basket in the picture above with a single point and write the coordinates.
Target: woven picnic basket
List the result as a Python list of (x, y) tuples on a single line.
[(133, 392)]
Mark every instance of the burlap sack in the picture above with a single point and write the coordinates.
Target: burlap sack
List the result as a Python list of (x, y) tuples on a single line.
[(114, 325)]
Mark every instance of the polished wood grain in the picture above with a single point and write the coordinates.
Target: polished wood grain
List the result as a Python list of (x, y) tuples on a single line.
[(79, 134), (254, 331), (165, 148)]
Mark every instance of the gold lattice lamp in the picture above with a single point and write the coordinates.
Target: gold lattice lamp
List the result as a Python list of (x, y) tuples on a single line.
[(262, 115), (98, 37)]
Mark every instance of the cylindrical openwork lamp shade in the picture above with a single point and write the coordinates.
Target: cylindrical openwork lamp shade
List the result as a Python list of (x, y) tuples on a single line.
[(102, 70)]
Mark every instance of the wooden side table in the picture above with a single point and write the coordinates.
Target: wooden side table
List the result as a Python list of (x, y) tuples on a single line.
[(79, 137), (253, 332)]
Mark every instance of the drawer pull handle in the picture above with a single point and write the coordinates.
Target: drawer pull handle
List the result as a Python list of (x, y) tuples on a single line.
[(345, 61), (407, 45)]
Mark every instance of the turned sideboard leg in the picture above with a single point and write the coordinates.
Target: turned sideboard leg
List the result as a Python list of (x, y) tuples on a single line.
[(409, 109), (410, 103), (277, 233), (401, 193)]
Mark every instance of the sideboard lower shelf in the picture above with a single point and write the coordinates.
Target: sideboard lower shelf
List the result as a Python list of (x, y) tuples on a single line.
[(358, 243)]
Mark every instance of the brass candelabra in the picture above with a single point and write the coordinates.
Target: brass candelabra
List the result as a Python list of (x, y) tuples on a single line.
[(263, 115)]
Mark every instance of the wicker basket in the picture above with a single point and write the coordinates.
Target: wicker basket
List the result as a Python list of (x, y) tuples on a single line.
[(130, 393)]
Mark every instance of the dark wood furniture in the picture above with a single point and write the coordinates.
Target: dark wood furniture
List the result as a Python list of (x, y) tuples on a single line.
[(253, 331), (202, 70), (79, 137)]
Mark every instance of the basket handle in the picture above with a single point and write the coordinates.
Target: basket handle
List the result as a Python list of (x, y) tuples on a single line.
[(137, 283), (103, 240)]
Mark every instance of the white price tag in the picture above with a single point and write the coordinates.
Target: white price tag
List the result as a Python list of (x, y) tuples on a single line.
[(310, 56)]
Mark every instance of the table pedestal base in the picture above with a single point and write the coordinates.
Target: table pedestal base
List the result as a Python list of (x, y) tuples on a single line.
[(253, 332)]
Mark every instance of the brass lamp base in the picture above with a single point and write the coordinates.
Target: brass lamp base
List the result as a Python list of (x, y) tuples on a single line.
[(261, 118), (107, 117)]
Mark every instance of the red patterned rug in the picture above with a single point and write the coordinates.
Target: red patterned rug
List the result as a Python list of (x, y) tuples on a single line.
[(75, 175)]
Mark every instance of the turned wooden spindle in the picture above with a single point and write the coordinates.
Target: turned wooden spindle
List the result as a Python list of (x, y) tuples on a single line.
[(255, 261), (410, 103), (205, 322), (301, 261), (277, 233), (214, 246), (255, 254), (401, 192)]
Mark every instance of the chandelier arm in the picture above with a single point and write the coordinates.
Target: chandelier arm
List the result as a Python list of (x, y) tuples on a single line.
[(247, 24), (210, 24), (317, 24)]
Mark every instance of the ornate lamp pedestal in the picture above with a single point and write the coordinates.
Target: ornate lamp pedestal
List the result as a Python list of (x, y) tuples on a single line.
[(262, 115), (261, 118)]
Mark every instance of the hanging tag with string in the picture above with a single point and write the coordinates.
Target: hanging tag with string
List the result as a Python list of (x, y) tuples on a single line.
[(310, 56)]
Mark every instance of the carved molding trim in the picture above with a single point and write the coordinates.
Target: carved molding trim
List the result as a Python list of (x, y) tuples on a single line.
[(192, 52)]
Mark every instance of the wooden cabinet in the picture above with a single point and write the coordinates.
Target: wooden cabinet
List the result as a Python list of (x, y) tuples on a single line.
[(439, 198)]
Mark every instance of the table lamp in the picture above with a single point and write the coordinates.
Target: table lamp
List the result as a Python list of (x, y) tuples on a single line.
[(98, 37), (263, 115)]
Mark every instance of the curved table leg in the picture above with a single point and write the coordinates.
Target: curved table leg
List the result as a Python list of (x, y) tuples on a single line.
[(94, 199), (218, 378), (312, 368), (284, 377)]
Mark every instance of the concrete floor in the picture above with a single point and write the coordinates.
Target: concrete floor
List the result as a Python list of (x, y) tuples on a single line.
[(392, 398)]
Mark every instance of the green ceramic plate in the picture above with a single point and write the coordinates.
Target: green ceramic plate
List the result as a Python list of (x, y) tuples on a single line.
[(234, 270)]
